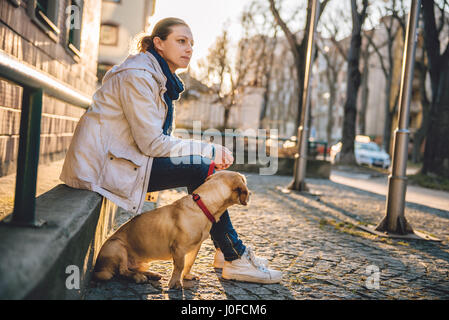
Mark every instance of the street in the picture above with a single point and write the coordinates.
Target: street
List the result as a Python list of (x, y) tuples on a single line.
[(428, 197), (322, 256)]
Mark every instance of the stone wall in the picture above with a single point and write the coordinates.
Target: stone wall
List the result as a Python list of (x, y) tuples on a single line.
[(21, 38)]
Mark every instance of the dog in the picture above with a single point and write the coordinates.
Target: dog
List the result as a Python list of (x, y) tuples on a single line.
[(174, 231)]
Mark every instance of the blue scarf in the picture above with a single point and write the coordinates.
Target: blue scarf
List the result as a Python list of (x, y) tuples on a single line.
[(174, 88)]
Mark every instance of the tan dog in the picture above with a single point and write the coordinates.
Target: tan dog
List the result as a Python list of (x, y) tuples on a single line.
[(173, 231)]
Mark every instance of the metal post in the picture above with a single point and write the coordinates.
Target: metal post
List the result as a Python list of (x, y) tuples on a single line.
[(394, 221), (28, 159), (303, 130)]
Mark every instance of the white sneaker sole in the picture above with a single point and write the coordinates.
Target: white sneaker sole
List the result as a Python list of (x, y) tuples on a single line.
[(220, 265), (248, 278)]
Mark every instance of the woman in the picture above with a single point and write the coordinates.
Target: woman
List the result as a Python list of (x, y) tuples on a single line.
[(122, 147)]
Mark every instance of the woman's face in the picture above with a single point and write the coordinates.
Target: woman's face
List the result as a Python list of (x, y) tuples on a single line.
[(177, 48)]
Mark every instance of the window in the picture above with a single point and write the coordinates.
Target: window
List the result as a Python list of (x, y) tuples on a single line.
[(45, 14), (74, 25), (109, 34)]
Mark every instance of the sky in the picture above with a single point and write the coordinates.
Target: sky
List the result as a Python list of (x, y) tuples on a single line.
[(206, 19)]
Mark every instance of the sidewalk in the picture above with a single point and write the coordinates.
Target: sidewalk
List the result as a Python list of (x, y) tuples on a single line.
[(437, 199), (47, 178), (321, 254)]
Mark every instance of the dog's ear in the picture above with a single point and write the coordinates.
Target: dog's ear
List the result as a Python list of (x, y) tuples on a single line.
[(243, 193)]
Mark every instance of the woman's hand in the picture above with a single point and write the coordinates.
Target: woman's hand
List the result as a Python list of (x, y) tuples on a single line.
[(223, 157)]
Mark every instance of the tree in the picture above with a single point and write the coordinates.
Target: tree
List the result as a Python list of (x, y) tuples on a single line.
[(422, 69), (334, 65), (336, 54), (298, 48), (227, 80), (365, 55), (216, 68), (263, 42), (353, 83), (266, 78), (335, 26), (393, 21), (252, 61), (436, 152)]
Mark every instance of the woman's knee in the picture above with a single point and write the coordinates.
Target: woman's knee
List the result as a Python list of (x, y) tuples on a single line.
[(200, 171), (202, 166)]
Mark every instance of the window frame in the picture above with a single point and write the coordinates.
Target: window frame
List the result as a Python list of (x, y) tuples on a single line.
[(74, 47), (46, 21), (117, 40)]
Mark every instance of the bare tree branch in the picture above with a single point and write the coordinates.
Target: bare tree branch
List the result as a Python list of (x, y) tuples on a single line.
[(291, 38), (333, 37), (379, 54)]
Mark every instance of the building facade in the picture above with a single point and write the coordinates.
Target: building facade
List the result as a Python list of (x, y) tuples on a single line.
[(58, 38), (200, 103), (121, 21)]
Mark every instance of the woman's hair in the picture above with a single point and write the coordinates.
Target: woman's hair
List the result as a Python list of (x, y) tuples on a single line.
[(144, 41)]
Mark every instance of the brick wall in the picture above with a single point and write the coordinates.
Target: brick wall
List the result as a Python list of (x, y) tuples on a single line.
[(23, 39)]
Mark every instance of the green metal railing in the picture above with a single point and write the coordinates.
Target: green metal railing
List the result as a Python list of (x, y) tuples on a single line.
[(35, 83)]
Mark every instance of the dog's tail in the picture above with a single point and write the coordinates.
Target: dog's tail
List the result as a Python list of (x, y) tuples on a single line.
[(103, 275), (108, 260), (104, 268)]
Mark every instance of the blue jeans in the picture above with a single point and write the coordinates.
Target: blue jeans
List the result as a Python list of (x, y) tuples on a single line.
[(190, 172)]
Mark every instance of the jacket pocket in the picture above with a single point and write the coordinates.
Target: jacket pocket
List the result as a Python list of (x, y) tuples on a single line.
[(119, 175)]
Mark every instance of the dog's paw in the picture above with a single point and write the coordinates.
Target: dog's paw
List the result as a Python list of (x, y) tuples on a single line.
[(173, 284), (191, 276), (153, 275), (140, 278)]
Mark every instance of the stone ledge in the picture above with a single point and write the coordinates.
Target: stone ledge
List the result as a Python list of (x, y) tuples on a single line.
[(34, 260)]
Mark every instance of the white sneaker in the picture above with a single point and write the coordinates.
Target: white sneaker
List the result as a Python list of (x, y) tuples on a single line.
[(219, 260), (247, 269)]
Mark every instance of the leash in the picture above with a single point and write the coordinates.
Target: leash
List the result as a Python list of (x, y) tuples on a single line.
[(196, 197)]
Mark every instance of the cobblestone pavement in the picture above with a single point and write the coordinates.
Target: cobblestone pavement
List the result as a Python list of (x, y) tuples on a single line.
[(315, 242)]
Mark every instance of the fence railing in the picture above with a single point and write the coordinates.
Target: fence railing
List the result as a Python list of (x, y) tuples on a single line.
[(35, 83)]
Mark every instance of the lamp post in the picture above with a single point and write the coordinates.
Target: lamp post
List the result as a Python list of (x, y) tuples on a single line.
[(299, 171), (394, 221)]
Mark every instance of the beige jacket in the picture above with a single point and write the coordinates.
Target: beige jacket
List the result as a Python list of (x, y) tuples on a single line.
[(115, 141)]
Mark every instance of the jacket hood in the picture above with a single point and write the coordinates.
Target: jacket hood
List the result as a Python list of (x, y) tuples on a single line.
[(141, 61)]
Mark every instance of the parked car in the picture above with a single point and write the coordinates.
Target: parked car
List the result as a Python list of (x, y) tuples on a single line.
[(366, 153)]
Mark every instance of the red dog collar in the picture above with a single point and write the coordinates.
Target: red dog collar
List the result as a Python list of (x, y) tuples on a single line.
[(211, 168), (196, 197)]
